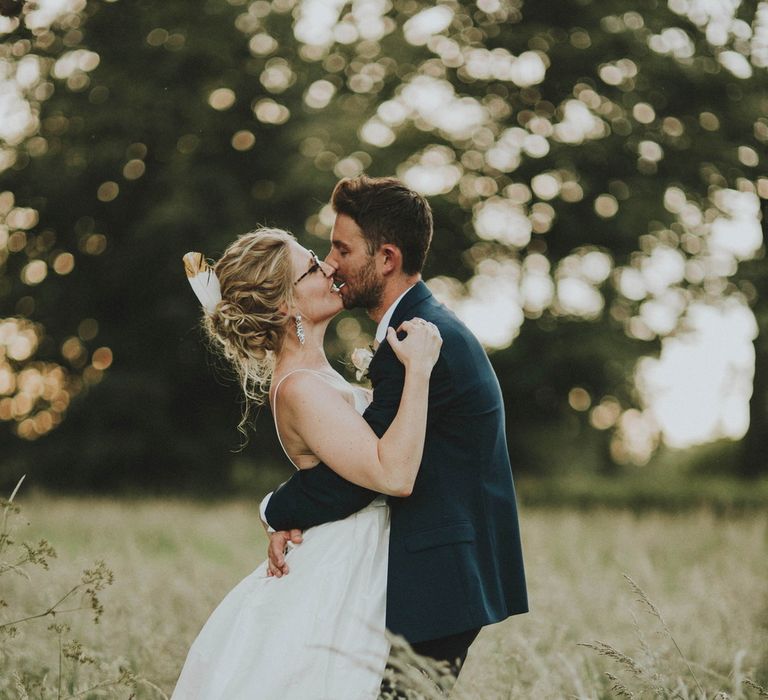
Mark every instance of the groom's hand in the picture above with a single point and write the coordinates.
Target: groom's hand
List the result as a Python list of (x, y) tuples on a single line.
[(278, 544)]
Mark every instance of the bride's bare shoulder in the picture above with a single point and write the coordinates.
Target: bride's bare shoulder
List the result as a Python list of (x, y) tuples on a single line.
[(300, 386), (322, 392)]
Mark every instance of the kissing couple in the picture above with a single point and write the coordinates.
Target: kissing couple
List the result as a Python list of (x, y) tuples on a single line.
[(401, 514)]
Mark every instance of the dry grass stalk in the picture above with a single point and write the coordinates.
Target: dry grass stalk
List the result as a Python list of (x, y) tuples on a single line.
[(659, 682), (67, 678), (643, 598), (762, 692)]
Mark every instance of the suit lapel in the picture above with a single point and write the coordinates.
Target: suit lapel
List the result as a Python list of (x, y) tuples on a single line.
[(415, 295)]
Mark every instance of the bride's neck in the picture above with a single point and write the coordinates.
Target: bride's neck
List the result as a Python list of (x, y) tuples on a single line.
[(307, 355)]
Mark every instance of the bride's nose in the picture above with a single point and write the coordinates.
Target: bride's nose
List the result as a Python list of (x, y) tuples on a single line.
[(328, 269)]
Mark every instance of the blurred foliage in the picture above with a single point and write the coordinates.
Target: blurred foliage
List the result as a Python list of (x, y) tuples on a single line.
[(595, 169)]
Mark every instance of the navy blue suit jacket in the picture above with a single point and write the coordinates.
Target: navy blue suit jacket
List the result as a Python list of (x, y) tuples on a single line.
[(455, 559)]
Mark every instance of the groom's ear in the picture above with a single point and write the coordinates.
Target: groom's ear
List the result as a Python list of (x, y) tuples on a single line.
[(391, 259)]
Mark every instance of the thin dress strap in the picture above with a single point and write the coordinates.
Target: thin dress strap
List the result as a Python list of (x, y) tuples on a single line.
[(274, 407)]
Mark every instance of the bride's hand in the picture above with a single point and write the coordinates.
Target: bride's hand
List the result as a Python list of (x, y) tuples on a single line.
[(420, 348)]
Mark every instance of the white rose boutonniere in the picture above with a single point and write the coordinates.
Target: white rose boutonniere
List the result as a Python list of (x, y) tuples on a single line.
[(361, 358)]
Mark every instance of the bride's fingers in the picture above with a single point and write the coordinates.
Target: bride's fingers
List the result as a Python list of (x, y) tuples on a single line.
[(423, 333), (407, 326), (418, 324)]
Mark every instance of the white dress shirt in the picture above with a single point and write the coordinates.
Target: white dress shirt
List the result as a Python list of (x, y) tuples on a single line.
[(381, 329)]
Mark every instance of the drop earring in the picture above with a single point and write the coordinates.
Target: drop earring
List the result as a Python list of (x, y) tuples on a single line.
[(299, 329)]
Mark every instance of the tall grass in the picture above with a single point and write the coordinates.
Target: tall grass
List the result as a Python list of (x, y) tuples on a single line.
[(55, 665), (706, 575)]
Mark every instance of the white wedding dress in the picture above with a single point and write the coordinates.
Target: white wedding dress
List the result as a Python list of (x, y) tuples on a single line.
[(315, 634)]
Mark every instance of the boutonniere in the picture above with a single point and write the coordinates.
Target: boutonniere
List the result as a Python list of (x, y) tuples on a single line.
[(361, 358)]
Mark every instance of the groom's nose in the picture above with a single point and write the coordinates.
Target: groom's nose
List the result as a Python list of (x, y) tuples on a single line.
[(328, 269), (329, 260)]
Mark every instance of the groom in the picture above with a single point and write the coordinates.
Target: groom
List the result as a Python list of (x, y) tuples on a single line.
[(455, 560)]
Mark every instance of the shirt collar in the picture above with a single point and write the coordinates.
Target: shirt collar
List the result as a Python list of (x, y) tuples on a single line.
[(381, 329)]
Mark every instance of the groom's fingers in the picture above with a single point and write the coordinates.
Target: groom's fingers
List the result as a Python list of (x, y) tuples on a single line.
[(276, 572), (276, 553), (278, 541)]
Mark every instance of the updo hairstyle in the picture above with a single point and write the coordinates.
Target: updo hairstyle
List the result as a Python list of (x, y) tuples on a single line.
[(255, 275)]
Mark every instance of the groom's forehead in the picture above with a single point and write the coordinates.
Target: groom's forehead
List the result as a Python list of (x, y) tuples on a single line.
[(346, 232)]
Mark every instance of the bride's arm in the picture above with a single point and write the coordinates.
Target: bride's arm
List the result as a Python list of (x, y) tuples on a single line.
[(339, 436)]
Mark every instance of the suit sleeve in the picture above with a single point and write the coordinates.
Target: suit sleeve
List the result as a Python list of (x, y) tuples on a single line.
[(313, 497), (389, 390)]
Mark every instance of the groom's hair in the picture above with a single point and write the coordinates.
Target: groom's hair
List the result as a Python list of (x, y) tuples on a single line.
[(387, 212)]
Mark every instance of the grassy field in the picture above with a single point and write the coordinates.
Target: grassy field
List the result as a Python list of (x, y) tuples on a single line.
[(706, 574)]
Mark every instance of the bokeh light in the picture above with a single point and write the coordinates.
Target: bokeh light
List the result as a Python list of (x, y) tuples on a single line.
[(34, 272), (420, 28), (270, 112), (108, 191), (699, 387), (222, 99), (579, 399), (64, 263), (243, 140), (434, 171), (33, 395), (102, 358), (502, 220)]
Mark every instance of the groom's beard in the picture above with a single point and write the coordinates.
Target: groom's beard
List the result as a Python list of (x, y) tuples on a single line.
[(366, 290)]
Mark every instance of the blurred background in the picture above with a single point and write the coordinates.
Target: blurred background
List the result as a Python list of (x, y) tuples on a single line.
[(598, 177)]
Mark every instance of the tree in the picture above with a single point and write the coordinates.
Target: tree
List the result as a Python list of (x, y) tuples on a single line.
[(588, 164)]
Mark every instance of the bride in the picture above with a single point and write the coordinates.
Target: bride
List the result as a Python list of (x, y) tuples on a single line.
[(317, 633)]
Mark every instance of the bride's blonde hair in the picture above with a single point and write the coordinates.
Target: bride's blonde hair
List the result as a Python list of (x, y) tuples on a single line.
[(250, 322)]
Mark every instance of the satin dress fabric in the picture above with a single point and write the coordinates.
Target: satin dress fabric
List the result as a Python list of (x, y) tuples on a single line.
[(317, 633)]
